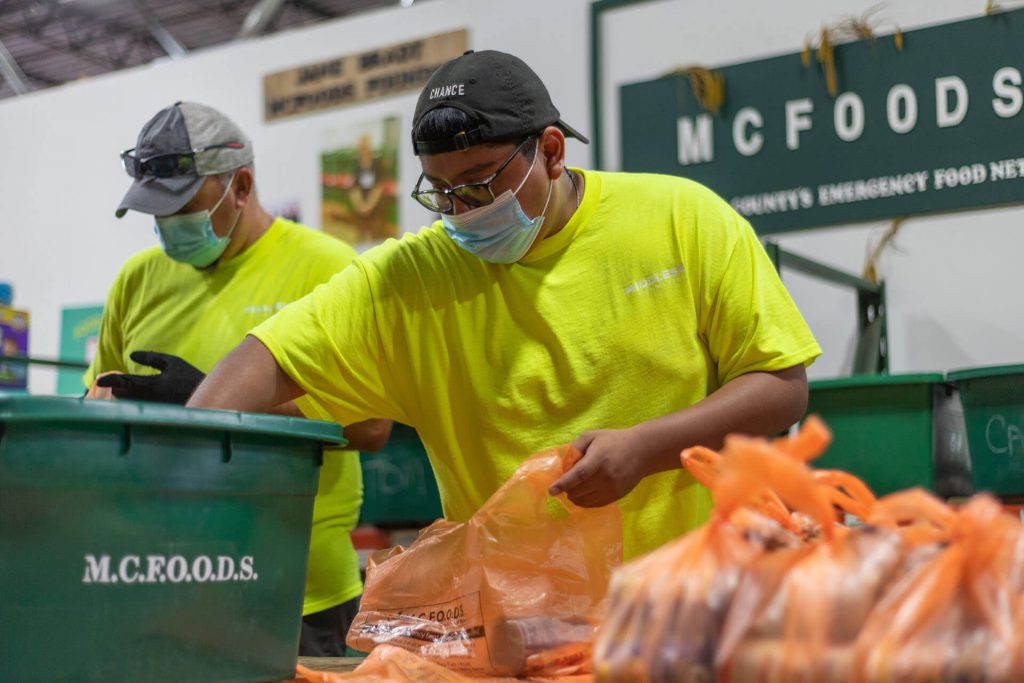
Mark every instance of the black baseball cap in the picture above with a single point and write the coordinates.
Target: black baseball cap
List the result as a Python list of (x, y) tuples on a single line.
[(503, 97)]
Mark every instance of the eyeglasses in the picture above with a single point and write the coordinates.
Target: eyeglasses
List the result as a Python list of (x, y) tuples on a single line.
[(167, 165), (473, 195)]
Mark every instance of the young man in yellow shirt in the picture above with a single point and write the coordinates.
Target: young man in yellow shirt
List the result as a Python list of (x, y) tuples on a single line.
[(224, 266), (634, 315)]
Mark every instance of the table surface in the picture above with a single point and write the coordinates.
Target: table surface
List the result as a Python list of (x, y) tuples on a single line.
[(332, 664), (338, 665)]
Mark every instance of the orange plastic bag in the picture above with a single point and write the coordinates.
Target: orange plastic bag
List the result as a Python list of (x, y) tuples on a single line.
[(926, 594), (394, 665), (795, 614), (923, 592), (753, 469), (385, 664), (513, 591), (956, 615), (705, 466), (668, 607)]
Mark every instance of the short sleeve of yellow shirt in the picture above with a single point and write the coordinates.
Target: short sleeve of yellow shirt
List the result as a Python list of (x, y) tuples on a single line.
[(654, 295), (748, 317), (336, 345)]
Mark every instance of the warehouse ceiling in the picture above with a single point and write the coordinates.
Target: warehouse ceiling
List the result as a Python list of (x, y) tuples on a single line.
[(48, 42)]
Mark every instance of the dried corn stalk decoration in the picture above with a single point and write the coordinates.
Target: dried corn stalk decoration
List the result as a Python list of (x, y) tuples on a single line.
[(844, 30), (888, 239), (708, 86), (993, 7)]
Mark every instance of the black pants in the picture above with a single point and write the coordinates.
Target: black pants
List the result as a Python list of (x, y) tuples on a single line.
[(323, 633)]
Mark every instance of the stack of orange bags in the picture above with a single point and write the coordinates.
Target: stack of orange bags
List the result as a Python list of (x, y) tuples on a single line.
[(774, 588)]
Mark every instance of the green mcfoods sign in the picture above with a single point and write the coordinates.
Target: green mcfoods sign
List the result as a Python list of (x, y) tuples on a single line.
[(938, 126)]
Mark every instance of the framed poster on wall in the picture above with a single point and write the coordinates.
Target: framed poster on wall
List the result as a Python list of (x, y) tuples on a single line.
[(359, 184)]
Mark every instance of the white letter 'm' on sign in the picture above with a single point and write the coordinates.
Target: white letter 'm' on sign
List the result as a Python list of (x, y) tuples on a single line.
[(695, 140)]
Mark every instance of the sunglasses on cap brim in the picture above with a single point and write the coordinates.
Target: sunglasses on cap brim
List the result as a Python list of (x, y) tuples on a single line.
[(168, 165)]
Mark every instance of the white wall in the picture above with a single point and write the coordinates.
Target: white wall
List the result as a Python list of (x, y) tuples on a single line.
[(952, 295)]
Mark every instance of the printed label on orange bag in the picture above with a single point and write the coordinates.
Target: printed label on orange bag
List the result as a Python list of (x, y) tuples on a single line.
[(453, 631)]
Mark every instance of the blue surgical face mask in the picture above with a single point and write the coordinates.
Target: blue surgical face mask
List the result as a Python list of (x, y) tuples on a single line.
[(189, 237), (499, 232)]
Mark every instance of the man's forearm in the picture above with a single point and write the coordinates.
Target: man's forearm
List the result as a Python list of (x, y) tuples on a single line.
[(247, 379), (368, 435), (759, 403), (615, 460)]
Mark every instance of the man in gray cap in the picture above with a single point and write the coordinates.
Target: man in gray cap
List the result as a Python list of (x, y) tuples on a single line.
[(224, 266)]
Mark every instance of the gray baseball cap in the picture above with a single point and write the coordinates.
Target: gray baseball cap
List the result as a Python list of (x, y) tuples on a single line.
[(174, 153)]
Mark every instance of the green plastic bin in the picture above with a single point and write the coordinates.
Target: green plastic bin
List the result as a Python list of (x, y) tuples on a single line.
[(883, 427), (993, 404), (399, 487), (152, 542)]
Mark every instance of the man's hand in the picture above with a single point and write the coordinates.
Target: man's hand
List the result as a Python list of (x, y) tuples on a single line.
[(175, 383), (615, 460), (611, 466)]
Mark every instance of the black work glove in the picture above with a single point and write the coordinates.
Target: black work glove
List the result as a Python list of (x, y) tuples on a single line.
[(175, 383)]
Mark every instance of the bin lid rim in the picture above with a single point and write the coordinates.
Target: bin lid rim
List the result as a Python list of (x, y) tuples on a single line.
[(867, 381), (20, 408), (986, 371)]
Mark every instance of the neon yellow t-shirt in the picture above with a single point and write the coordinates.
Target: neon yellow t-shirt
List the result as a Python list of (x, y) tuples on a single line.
[(655, 294), (157, 304)]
